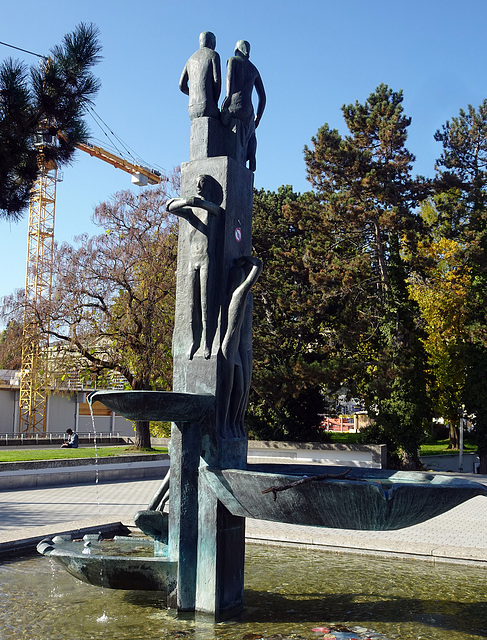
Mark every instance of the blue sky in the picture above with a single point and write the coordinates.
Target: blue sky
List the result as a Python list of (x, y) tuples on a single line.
[(314, 56)]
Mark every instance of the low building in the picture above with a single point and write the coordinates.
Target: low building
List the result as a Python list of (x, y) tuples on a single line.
[(66, 408)]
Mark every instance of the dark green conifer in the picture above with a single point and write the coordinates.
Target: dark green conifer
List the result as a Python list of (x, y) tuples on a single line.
[(50, 101), (363, 225)]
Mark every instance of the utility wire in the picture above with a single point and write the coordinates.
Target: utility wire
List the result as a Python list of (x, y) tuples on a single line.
[(24, 50)]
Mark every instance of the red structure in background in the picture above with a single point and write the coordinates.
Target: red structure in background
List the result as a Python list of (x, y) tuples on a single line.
[(341, 423)]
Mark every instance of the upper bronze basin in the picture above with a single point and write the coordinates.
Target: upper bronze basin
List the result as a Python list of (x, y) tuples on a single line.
[(165, 406)]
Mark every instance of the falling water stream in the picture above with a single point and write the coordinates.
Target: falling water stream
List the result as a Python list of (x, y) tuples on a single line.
[(93, 426), (103, 617), (288, 593)]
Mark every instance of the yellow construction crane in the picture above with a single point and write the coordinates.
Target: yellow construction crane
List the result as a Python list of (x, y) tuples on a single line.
[(40, 247), (141, 176)]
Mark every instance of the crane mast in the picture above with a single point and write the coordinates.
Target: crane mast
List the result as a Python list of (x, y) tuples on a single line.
[(34, 379), (38, 279)]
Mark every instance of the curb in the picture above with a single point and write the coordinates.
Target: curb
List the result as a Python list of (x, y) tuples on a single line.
[(29, 475)]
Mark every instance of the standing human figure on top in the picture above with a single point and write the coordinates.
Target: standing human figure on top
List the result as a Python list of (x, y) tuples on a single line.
[(201, 79), (242, 78)]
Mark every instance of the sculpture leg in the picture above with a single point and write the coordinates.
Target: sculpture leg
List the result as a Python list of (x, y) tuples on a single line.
[(183, 512), (204, 311), (237, 399), (221, 558), (251, 152), (194, 313)]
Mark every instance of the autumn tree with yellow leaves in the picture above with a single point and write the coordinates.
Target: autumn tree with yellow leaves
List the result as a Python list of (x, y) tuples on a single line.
[(442, 292)]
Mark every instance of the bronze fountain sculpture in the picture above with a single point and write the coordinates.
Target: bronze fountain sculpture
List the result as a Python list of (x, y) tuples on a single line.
[(199, 545)]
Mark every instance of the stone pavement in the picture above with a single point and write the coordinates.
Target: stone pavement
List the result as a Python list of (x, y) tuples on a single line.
[(27, 515)]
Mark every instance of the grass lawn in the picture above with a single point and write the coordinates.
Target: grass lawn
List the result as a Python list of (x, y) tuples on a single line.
[(19, 455), (431, 448), (343, 438), (440, 447)]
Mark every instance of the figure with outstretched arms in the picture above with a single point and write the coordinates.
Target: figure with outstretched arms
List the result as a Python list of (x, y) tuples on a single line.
[(198, 210)]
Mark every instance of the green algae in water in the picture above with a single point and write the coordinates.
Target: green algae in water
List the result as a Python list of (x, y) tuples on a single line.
[(288, 591)]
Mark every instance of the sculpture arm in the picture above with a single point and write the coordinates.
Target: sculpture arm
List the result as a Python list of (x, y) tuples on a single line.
[(254, 262), (217, 78), (201, 203), (259, 87), (229, 85), (184, 81), (236, 307), (180, 206)]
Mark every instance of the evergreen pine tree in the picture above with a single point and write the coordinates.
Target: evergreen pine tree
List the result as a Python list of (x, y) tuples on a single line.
[(52, 101), (364, 223)]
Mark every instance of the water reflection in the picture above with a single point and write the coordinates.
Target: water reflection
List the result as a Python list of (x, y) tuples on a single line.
[(288, 592)]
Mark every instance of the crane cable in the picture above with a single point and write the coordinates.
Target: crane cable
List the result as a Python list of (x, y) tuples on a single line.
[(94, 115), (128, 150), (24, 50), (105, 128)]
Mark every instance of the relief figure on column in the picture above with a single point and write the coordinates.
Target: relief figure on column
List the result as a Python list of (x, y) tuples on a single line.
[(201, 212), (237, 347)]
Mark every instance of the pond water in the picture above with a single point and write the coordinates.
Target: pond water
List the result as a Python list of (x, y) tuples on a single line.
[(288, 593)]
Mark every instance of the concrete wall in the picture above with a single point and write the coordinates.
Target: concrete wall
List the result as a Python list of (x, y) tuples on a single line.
[(9, 400), (61, 413), (28, 475), (371, 456), (451, 462), (117, 424)]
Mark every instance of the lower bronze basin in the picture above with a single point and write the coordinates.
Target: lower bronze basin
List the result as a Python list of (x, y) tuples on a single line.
[(101, 569), (366, 499), (165, 406)]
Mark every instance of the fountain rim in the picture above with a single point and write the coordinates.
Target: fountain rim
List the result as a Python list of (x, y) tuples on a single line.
[(148, 405), (61, 549)]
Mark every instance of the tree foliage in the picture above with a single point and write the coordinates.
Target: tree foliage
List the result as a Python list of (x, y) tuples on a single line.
[(285, 397), (341, 291), (462, 174), (49, 99), (11, 346), (112, 307), (368, 195), (442, 290)]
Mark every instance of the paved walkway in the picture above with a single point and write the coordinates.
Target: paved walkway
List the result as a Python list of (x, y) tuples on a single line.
[(27, 515)]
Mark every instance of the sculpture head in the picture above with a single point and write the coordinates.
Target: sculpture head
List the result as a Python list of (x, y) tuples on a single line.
[(209, 188), (202, 185), (242, 48), (208, 40)]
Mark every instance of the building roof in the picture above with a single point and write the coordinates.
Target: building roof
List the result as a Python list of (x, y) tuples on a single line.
[(9, 377)]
